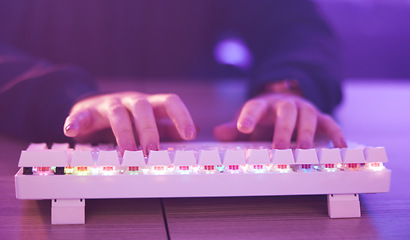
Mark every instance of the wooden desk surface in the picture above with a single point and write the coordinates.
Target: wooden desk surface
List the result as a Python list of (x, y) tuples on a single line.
[(373, 114)]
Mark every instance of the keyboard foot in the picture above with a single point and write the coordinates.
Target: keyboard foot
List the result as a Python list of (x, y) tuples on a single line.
[(343, 205), (67, 211)]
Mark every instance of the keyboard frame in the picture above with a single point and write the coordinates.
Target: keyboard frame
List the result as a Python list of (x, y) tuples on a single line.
[(68, 192)]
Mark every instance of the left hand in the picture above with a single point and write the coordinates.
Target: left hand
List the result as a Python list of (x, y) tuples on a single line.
[(277, 117)]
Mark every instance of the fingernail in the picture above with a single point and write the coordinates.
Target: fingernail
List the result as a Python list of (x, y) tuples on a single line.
[(151, 147), (280, 145), (130, 148), (305, 145), (71, 129), (246, 124), (190, 133)]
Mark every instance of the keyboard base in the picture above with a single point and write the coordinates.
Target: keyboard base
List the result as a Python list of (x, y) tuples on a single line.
[(68, 192), (67, 211)]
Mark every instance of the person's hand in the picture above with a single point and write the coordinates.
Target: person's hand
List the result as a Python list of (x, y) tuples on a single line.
[(281, 116), (130, 117)]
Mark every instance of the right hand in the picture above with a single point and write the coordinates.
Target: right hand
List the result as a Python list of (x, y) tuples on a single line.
[(149, 115)]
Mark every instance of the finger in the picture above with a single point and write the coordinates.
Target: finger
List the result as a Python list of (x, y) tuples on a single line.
[(285, 121), (179, 114), (145, 123), (307, 120), (168, 131), (331, 129), (120, 123), (77, 122), (250, 115)]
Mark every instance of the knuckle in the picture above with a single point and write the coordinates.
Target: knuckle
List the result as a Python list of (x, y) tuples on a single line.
[(284, 130), (336, 131), (172, 98), (306, 132), (139, 101), (149, 129), (309, 109), (286, 104), (116, 108), (256, 103), (327, 118)]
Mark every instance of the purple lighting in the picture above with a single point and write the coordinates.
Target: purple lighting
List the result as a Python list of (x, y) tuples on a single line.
[(233, 51)]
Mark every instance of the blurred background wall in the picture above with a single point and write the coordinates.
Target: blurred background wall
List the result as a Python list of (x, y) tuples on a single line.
[(375, 34)]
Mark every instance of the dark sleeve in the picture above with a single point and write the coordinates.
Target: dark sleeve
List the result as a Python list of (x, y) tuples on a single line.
[(298, 44), (36, 96)]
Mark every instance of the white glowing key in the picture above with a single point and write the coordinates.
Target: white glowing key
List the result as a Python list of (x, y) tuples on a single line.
[(37, 146), (184, 158), (43, 158), (108, 158), (375, 154), (209, 157), (159, 158), (84, 147), (37, 155), (329, 155), (234, 157), (133, 158), (282, 157), (81, 158), (60, 146), (352, 155), (305, 156), (258, 156)]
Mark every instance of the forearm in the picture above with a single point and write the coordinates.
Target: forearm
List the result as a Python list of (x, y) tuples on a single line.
[(304, 49), (36, 96)]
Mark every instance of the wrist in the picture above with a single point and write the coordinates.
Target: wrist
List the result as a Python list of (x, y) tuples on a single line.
[(285, 86)]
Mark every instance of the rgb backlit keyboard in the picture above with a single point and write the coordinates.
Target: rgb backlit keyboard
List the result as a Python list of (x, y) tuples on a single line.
[(68, 176)]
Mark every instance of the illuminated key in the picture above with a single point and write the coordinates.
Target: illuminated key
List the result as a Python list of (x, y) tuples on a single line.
[(329, 158), (234, 160), (375, 154), (64, 147), (159, 162), (108, 161), (37, 146), (258, 160), (282, 159), (210, 160), (352, 158), (185, 162), (375, 157), (60, 146), (306, 159), (42, 159), (82, 160), (134, 161)]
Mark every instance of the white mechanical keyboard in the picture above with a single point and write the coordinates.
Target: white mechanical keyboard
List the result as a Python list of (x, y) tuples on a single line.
[(68, 176)]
